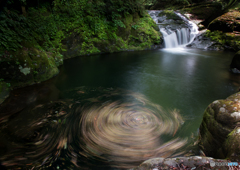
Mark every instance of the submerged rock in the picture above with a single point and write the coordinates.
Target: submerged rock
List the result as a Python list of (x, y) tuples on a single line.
[(218, 137)]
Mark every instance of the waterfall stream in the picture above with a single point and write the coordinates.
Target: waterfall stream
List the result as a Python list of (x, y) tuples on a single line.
[(176, 33)]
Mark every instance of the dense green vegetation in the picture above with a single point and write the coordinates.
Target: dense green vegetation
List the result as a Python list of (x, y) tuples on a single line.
[(36, 34), (178, 4), (50, 21), (47, 23), (226, 41)]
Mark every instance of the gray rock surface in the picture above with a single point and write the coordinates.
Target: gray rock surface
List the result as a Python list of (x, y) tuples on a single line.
[(183, 163), (203, 42)]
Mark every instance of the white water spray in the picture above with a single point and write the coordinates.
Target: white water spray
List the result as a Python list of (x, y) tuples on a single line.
[(178, 37)]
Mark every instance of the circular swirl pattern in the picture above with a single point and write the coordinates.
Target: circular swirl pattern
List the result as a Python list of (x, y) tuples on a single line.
[(127, 129), (118, 128)]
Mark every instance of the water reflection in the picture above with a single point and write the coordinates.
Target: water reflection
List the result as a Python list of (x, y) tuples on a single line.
[(102, 126)]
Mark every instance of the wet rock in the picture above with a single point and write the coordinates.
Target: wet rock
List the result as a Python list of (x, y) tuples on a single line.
[(193, 162), (204, 42), (217, 128), (170, 21), (235, 64)]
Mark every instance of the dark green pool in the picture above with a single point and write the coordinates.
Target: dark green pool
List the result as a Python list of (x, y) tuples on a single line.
[(183, 79)]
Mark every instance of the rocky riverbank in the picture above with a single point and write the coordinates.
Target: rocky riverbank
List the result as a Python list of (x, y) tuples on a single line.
[(183, 163)]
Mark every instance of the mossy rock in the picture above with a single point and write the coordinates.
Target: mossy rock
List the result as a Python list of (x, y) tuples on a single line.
[(219, 120), (29, 65), (232, 145), (226, 41), (228, 22)]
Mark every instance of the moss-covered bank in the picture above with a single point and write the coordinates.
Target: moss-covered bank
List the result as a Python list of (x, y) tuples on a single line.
[(225, 30), (138, 33), (35, 42)]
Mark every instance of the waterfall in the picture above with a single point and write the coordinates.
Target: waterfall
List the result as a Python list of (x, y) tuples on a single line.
[(170, 40), (175, 36)]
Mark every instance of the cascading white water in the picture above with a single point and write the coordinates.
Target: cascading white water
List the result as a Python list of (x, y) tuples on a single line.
[(178, 37), (171, 41), (191, 32)]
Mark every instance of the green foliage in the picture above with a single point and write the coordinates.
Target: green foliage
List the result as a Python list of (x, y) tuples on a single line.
[(170, 14), (135, 26), (227, 4), (218, 36), (225, 39), (12, 30), (47, 25), (8, 84)]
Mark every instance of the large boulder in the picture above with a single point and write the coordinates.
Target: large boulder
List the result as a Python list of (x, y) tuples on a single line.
[(232, 145), (217, 131), (235, 64), (227, 22)]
